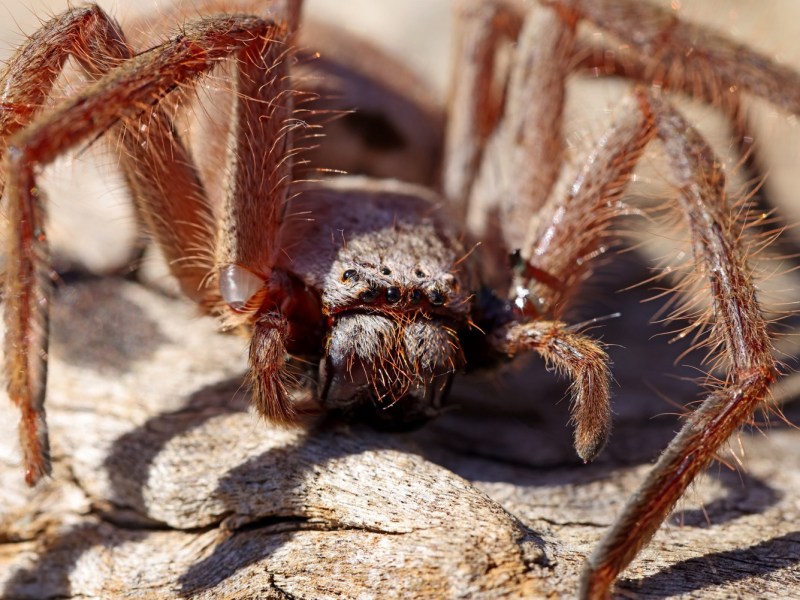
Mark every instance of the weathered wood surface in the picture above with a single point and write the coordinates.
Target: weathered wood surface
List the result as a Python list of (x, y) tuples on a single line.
[(166, 486)]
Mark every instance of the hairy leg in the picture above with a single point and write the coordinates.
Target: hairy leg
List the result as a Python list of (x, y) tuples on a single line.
[(476, 93), (97, 44), (559, 247), (654, 49), (718, 71), (573, 230), (739, 330), (248, 241), (122, 95), (566, 243), (579, 357), (522, 157), (87, 34)]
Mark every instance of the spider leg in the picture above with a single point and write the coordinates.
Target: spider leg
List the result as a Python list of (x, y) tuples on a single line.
[(739, 327), (586, 215), (97, 44), (248, 241), (561, 245), (654, 50), (475, 102), (564, 242), (511, 185), (87, 34), (117, 98), (718, 71), (259, 160), (583, 360)]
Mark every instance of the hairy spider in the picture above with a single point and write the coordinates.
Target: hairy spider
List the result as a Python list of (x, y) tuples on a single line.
[(361, 296)]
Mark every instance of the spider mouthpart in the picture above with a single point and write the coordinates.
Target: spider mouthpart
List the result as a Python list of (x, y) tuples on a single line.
[(437, 298), (369, 295), (350, 274), (393, 295), (416, 296)]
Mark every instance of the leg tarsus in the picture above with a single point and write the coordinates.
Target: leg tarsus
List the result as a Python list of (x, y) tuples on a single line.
[(586, 363)]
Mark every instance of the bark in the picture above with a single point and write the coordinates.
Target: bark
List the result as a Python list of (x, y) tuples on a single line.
[(167, 486)]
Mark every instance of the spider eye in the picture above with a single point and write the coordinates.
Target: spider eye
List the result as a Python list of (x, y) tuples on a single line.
[(350, 274), (386, 271), (419, 273), (369, 295), (437, 298), (393, 295)]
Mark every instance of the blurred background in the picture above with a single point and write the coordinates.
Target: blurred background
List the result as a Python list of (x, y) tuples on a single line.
[(420, 32)]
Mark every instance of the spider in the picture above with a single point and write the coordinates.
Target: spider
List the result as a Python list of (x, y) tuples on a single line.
[(362, 296)]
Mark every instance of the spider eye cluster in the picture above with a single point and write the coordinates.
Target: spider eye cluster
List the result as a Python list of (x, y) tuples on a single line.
[(394, 292)]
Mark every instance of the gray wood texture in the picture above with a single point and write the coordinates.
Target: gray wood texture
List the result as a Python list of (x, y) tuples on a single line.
[(165, 485)]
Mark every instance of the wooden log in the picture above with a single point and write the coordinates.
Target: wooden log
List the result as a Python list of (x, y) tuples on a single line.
[(166, 486)]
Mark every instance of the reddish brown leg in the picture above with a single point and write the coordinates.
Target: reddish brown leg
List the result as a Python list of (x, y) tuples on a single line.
[(717, 71), (122, 95), (532, 124), (571, 233), (260, 163), (739, 328), (583, 360), (97, 44), (259, 160), (715, 68), (87, 34), (523, 157), (567, 238), (476, 95)]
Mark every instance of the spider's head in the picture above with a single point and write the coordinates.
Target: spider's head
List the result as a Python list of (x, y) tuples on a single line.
[(392, 347)]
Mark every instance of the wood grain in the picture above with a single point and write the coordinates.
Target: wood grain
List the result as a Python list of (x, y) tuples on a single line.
[(166, 486)]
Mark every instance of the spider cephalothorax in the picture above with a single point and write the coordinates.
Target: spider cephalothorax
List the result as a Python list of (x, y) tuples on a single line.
[(394, 292), (357, 293)]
